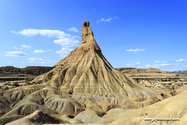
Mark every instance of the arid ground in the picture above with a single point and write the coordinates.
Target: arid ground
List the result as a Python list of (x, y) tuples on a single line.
[(84, 88)]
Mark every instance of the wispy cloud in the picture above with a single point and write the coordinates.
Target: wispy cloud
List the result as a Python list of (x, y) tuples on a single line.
[(38, 60), (116, 17), (39, 51), (15, 54), (73, 29), (107, 20), (157, 61), (49, 49), (166, 65), (133, 64), (44, 62), (135, 50), (26, 46), (159, 66), (35, 60), (147, 66), (104, 20), (14, 32), (180, 60), (68, 42), (64, 51), (15, 48), (64, 39), (160, 61)]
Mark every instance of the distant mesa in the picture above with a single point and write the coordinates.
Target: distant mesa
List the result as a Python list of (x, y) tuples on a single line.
[(32, 70), (135, 70)]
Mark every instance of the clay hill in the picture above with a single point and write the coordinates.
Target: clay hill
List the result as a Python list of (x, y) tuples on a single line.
[(135, 70), (32, 70), (82, 87)]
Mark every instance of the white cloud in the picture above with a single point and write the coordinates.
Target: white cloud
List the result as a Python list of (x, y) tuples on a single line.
[(43, 32), (73, 29), (107, 20), (63, 39), (38, 60), (35, 60), (130, 64), (141, 67), (49, 49), (15, 54), (147, 66), (166, 65), (180, 60), (26, 46), (133, 65), (135, 50), (104, 20), (157, 61), (160, 61), (44, 62), (14, 32), (162, 65), (15, 48), (28, 32), (173, 70), (39, 51), (66, 42), (64, 51)]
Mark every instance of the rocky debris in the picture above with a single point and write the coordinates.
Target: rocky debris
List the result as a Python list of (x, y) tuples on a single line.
[(135, 70)]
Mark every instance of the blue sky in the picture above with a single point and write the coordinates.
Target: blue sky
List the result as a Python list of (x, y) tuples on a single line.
[(131, 33)]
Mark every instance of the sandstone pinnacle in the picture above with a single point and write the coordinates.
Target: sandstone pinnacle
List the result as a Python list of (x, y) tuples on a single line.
[(85, 70), (84, 79)]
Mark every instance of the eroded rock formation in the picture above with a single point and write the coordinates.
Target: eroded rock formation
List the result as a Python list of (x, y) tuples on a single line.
[(84, 79)]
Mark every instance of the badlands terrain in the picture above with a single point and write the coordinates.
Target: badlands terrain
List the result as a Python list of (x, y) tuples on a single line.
[(84, 88)]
